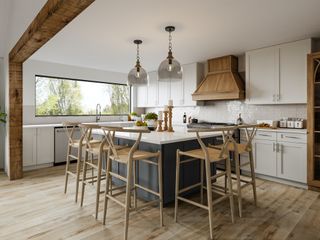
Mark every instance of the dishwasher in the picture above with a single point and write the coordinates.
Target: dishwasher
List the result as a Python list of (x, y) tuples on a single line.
[(61, 144)]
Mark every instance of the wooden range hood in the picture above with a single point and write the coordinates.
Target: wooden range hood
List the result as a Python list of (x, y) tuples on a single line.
[(222, 82)]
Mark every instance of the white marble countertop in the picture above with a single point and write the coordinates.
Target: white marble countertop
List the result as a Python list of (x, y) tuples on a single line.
[(284, 130), (60, 125), (154, 137)]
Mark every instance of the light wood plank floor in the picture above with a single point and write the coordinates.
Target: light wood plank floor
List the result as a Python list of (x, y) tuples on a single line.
[(36, 208)]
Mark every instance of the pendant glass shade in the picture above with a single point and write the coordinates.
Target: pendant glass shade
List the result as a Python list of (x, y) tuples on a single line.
[(170, 72), (170, 69), (137, 75)]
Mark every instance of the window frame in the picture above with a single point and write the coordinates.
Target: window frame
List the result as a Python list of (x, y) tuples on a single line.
[(81, 80)]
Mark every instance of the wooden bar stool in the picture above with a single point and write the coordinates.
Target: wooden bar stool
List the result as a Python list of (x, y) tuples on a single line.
[(97, 150), (207, 156), (238, 149), (130, 156), (78, 144)]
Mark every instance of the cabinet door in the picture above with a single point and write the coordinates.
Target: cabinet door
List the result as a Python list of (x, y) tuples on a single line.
[(192, 75), (293, 71), (152, 98), (177, 92), (262, 77), (142, 96), (265, 157), (292, 161), (45, 145), (164, 93), (29, 147)]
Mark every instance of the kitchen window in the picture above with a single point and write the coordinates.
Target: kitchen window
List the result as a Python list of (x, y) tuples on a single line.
[(56, 96)]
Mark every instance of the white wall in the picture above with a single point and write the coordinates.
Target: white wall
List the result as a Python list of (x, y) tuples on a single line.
[(33, 67)]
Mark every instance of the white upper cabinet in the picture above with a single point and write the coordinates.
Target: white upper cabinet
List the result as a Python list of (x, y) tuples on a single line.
[(193, 74), (293, 71), (278, 74), (152, 99), (163, 93), (157, 94), (262, 75), (142, 96)]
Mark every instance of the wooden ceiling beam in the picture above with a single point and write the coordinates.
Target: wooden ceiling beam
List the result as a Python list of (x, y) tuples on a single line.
[(53, 17)]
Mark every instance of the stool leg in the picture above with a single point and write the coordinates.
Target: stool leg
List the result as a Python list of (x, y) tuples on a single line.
[(134, 185), (105, 208), (78, 172), (98, 182), (253, 177), (225, 179), (177, 186), (84, 172), (67, 169), (236, 158), (201, 179), (209, 196), (92, 169), (128, 198), (228, 166), (160, 188)]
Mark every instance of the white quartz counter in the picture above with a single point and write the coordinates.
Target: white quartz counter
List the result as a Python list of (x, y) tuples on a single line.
[(284, 130), (162, 137), (120, 123)]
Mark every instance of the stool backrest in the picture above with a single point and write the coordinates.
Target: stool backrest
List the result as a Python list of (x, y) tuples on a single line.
[(109, 133), (227, 134), (250, 131), (70, 130), (86, 133)]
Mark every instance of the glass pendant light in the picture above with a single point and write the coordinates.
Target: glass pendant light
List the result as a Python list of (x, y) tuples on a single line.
[(170, 69), (137, 75)]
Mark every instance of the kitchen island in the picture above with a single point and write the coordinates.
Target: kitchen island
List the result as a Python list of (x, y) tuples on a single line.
[(167, 143)]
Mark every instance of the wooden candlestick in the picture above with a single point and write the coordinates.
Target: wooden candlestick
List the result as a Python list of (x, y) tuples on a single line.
[(159, 129), (170, 128), (165, 113)]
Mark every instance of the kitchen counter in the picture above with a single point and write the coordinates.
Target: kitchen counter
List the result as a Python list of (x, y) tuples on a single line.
[(284, 130), (60, 125), (162, 137)]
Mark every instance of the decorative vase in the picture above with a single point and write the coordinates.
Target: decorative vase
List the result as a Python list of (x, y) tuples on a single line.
[(152, 124)]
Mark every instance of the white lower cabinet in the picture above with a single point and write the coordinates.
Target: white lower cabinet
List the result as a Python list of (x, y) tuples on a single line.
[(279, 155), (265, 157), (291, 161), (29, 147), (45, 145), (38, 146)]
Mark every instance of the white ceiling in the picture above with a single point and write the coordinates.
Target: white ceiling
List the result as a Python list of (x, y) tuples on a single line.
[(4, 6), (101, 37)]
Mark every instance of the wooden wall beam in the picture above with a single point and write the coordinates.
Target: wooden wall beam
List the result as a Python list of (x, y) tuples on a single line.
[(53, 17)]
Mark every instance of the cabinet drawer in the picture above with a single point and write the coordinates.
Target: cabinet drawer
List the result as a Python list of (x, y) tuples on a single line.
[(292, 137), (264, 135)]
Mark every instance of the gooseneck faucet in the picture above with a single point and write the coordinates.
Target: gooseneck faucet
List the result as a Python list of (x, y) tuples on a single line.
[(98, 112)]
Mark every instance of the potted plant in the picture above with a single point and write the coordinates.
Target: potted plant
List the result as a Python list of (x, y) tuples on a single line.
[(133, 116), (3, 117), (151, 119)]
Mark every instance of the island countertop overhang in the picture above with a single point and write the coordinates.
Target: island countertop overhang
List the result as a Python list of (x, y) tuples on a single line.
[(162, 137)]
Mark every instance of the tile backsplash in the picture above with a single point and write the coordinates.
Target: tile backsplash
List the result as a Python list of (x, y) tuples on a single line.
[(227, 111)]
